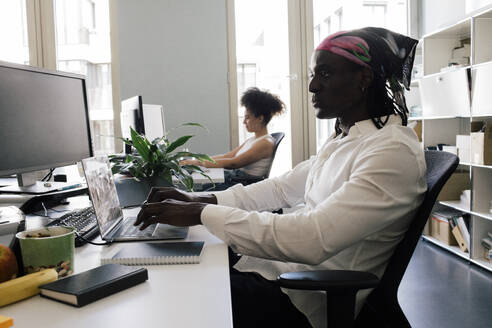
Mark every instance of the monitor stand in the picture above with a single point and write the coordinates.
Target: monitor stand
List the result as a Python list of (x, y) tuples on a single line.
[(27, 185)]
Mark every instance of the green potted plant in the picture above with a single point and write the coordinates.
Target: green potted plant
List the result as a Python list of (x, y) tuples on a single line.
[(157, 161)]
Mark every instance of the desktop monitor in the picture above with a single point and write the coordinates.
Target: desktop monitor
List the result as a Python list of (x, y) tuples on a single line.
[(132, 116), (145, 119), (154, 123), (44, 122)]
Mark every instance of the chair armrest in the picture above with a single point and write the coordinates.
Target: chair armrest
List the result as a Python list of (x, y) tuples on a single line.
[(328, 280), (341, 288)]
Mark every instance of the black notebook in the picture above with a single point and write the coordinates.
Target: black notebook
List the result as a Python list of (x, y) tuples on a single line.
[(185, 252), (89, 286)]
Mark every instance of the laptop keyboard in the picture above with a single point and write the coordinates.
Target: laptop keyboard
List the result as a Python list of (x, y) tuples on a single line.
[(130, 230)]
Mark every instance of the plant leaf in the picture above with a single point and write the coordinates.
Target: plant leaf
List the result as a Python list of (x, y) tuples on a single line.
[(204, 157), (188, 180), (179, 142), (201, 157), (194, 124), (140, 145), (185, 179)]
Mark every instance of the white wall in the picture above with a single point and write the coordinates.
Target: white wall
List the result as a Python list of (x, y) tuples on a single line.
[(174, 53)]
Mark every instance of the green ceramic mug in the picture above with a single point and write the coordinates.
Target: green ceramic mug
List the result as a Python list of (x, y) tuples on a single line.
[(49, 247)]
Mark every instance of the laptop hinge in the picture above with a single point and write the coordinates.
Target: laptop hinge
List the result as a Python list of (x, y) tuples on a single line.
[(112, 230)]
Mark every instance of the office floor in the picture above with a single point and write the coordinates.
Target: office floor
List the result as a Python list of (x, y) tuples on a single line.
[(442, 290)]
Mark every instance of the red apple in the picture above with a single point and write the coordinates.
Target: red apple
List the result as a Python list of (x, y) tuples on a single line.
[(8, 264)]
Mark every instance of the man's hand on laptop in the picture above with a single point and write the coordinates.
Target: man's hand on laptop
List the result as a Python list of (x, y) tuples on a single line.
[(170, 211), (159, 194)]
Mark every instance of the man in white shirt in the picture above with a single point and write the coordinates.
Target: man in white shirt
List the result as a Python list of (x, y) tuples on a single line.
[(356, 197)]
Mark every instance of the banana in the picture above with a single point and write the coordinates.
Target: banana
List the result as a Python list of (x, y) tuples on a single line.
[(6, 321), (26, 286)]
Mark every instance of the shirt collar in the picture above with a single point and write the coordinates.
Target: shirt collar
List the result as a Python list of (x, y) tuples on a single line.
[(367, 126)]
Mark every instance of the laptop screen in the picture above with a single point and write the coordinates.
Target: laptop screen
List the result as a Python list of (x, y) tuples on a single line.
[(101, 186)]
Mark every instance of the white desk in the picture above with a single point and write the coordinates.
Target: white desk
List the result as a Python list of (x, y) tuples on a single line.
[(216, 174), (188, 295)]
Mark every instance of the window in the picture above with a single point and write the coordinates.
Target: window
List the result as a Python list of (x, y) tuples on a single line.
[(13, 32), (339, 19), (375, 14), (246, 76), (317, 34), (327, 25), (83, 47), (391, 14), (262, 57)]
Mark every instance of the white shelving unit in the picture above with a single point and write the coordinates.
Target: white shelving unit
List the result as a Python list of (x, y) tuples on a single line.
[(452, 99)]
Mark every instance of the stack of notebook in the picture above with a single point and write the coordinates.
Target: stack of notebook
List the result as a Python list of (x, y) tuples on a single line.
[(157, 253)]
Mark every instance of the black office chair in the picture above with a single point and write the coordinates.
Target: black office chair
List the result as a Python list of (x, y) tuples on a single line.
[(381, 309), (278, 136)]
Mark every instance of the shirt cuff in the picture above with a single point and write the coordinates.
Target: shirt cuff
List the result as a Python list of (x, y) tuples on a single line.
[(213, 217), (225, 198)]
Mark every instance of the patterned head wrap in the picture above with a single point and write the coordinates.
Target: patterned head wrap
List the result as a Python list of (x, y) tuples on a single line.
[(353, 48), (387, 53), (390, 56)]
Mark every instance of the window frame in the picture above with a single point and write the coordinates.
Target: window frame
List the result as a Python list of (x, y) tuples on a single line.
[(42, 47)]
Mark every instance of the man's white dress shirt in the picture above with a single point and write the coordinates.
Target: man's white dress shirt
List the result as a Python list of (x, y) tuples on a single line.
[(359, 194)]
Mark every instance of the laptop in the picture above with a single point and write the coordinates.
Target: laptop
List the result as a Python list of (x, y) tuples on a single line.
[(113, 225)]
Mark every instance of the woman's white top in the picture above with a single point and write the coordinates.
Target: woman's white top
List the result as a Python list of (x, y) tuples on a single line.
[(258, 168)]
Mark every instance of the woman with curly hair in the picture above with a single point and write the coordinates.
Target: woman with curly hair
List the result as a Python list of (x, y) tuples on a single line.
[(249, 161)]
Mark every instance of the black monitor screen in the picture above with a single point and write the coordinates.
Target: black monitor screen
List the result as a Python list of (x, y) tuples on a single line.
[(132, 116), (44, 120)]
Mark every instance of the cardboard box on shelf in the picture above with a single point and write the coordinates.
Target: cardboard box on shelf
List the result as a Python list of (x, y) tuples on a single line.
[(453, 188), (463, 141), (450, 149), (441, 230), (481, 142), (427, 228), (464, 154), (463, 51), (418, 129), (463, 144)]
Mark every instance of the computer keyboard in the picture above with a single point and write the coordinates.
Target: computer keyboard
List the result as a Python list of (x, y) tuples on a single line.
[(83, 220)]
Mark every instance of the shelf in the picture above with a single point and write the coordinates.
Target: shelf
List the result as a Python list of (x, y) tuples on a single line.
[(481, 64), (480, 165), (440, 117), (476, 165), (452, 100), (456, 204), (453, 249), (483, 263), (483, 12), (457, 68), (461, 29), (481, 115), (483, 215)]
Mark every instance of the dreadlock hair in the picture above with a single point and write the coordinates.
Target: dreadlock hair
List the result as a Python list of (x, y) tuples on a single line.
[(385, 98), (390, 56)]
